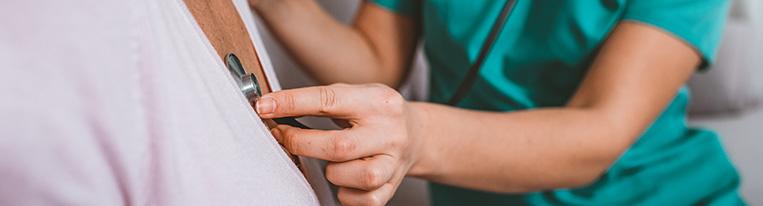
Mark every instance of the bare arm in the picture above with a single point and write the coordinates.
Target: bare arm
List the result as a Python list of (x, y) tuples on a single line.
[(636, 74), (378, 47)]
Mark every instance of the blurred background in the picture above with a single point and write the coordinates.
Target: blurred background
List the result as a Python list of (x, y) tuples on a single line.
[(725, 98)]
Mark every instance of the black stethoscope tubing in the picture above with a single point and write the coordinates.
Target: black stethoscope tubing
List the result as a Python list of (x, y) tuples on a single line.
[(471, 75)]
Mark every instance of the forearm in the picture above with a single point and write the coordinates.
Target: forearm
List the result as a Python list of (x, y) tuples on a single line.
[(519, 151), (329, 50), (560, 147)]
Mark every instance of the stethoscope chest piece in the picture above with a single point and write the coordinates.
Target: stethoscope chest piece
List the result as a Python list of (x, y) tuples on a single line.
[(247, 83), (250, 87)]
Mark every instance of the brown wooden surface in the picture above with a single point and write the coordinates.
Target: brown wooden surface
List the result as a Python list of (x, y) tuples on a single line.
[(227, 32)]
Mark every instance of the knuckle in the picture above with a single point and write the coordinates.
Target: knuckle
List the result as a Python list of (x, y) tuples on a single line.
[(396, 142), (347, 197), (344, 196), (371, 199), (328, 99), (342, 148), (372, 178), (289, 140), (332, 174), (388, 99), (289, 103), (393, 103)]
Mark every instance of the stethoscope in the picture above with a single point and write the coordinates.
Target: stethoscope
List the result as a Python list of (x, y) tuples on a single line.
[(250, 87)]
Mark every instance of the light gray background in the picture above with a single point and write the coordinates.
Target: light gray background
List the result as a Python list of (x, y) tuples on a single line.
[(741, 131)]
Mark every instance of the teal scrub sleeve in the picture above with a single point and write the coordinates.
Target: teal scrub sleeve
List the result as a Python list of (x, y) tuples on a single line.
[(402, 7), (697, 22)]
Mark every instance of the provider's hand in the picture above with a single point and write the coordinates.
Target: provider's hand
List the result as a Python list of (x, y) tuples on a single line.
[(367, 160)]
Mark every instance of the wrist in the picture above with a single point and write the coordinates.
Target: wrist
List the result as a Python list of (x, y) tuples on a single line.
[(418, 118)]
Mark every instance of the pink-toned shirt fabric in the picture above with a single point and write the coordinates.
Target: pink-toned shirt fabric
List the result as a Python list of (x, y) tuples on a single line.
[(124, 102)]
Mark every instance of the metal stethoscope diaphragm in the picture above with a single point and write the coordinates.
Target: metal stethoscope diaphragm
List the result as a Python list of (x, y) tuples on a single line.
[(248, 83), (251, 88)]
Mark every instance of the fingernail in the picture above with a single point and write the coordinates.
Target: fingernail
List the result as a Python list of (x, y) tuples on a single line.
[(266, 105)]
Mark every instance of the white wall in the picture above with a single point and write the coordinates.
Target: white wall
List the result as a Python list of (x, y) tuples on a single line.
[(742, 136), (738, 77)]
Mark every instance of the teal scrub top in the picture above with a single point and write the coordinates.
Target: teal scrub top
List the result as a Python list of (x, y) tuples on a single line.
[(540, 59)]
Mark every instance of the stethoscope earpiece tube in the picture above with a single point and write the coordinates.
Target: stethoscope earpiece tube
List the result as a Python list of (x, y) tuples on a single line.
[(471, 75)]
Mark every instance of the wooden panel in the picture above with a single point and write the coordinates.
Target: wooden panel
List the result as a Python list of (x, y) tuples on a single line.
[(226, 31)]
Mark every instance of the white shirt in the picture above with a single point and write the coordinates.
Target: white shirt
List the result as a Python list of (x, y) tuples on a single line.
[(124, 102)]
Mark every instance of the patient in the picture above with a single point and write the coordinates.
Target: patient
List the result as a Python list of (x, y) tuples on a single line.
[(115, 102)]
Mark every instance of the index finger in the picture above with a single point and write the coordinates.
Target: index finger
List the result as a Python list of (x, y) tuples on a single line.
[(340, 101)]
